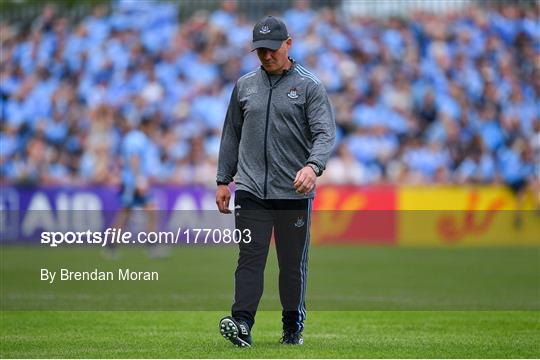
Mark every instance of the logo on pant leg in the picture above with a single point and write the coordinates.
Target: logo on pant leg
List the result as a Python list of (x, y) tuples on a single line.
[(299, 222)]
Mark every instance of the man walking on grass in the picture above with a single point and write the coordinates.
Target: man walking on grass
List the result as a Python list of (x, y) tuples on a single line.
[(278, 134)]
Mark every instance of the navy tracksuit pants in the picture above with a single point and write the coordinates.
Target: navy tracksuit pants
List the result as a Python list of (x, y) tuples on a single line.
[(290, 221)]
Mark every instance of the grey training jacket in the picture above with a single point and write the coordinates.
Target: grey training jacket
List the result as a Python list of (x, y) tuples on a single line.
[(272, 129)]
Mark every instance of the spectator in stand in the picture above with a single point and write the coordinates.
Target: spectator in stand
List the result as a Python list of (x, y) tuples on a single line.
[(398, 86), (343, 169)]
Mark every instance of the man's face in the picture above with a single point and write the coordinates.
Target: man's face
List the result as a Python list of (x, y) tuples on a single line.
[(274, 62)]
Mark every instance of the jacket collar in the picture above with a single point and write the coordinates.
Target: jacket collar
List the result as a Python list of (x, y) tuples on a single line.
[(286, 71)]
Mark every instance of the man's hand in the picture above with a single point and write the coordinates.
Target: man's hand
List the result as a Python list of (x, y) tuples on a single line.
[(305, 180), (223, 196)]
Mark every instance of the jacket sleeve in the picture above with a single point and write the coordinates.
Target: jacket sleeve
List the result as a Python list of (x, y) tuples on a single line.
[(230, 140), (322, 125)]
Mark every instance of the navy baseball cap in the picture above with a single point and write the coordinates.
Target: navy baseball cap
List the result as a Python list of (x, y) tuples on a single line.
[(269, 33)]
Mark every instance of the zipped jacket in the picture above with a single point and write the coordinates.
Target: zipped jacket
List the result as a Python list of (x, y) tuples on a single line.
[(273, 128)]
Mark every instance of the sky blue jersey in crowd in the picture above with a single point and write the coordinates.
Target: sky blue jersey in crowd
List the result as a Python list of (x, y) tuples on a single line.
[(136, 144)]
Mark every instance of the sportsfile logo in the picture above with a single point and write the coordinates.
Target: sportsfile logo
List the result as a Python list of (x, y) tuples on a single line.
[(123, 237)]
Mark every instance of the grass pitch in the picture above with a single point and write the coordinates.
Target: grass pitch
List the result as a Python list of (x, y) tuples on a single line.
[(362, 302), (370, 334), (339, 278)]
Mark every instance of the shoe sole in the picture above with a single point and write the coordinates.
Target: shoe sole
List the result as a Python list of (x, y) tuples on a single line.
[(230, 331)]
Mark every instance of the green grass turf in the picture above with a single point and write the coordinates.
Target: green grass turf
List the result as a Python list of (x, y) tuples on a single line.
[(340, 278), (378, 279), (370, 334)]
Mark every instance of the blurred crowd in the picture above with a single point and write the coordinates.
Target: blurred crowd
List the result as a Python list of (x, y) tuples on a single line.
[(429, 98)]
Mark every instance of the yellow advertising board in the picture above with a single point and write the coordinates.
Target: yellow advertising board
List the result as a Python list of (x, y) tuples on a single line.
[(465, 216)]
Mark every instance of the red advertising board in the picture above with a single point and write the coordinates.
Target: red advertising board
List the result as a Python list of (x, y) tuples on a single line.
[(355, 215)]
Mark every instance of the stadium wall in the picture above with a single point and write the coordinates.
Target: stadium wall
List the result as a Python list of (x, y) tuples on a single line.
[(371, 215)]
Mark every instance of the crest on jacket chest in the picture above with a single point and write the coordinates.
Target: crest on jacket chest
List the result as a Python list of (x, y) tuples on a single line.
[(293, 94)]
